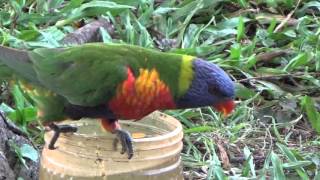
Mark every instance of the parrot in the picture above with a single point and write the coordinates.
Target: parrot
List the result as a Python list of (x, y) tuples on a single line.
[(112, 81)]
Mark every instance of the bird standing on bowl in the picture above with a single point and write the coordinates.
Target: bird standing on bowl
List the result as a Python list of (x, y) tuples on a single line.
[(114, 81)]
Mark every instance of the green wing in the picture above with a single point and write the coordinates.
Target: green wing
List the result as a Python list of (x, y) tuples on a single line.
[(13, 61), (84, 75), (88, 75)]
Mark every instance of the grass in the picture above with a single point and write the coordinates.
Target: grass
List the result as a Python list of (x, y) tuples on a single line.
[(270, 48)]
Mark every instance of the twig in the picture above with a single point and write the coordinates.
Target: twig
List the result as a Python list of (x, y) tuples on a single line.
[(159, 1), (88, 33), (223, 155), (243, 11), (241, 159), (268, 18), (267, 56), (284, 22)]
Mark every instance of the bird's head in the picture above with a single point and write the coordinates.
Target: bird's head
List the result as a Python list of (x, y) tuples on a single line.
[(211, 86)]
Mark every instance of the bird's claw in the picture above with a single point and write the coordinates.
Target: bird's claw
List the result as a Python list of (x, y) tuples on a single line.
[(126, 142), (57, 129)]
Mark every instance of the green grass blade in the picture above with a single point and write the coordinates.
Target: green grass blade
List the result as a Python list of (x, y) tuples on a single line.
[(278, 172)]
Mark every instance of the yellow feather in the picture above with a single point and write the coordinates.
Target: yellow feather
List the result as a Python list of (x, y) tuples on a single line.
[(153, 74), (186, 74)]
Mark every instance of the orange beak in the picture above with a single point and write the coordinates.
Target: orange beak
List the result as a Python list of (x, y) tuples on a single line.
[(225, 107)]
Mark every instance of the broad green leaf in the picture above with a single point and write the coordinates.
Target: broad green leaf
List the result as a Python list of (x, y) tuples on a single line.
[(29, 113), (94, 8), (266, 166), (17, 150), (294, 163), (315, 4), (29, 152), (298, 164), (18, 97), (219, 33), (243, 3), (270, 71), (300, 60), (249, 161), (235, 52), (191, 36), (197, 51), (53, 4), (317, 59), (5, 18), (164, 10), (106, 38), (145, 39), (232, 22), (240, 29), (215, 169), (313, 115), (290, 33), (185, 10), (29, 35), (252, 60), (199, 129), (244, 92), (272, 3), (5, 108), (277, 171), (272, 26), (73, 4)]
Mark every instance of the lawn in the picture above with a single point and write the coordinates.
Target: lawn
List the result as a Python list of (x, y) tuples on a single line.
[(270, 48)]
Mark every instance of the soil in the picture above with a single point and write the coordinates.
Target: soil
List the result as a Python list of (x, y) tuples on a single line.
[(11, 167)]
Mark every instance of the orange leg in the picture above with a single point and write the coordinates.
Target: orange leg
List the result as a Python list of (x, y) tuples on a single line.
[(110, 125), (122, 136)]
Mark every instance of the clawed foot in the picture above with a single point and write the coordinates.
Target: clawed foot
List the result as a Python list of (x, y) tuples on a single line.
[(126, 141), (57, 129)]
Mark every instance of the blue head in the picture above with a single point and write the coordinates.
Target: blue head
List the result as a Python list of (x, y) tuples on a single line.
[(210, 86)]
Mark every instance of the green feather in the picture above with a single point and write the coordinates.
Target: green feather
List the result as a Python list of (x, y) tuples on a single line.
[(88, 75), (95, 70), (18, 61)]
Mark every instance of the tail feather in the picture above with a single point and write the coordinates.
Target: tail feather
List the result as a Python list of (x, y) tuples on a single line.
[(19, 61)]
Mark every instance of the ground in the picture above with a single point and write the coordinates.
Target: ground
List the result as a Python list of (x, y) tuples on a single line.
[(10, 165)]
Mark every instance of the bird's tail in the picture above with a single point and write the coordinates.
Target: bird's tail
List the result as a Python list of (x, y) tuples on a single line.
[(17, 62)]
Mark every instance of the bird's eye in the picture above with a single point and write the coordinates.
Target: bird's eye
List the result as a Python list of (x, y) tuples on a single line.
[(215, 91)]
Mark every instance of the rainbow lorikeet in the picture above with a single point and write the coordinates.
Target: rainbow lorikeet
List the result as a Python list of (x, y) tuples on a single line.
[(115, 81)]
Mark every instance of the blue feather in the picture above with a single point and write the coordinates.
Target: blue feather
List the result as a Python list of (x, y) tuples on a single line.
[(210, 85)]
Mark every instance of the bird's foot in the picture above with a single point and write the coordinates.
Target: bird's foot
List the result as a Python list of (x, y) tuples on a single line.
[(57, 129), (126, 141)]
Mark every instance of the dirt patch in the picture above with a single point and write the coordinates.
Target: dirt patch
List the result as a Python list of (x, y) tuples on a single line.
[(10, 166)]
